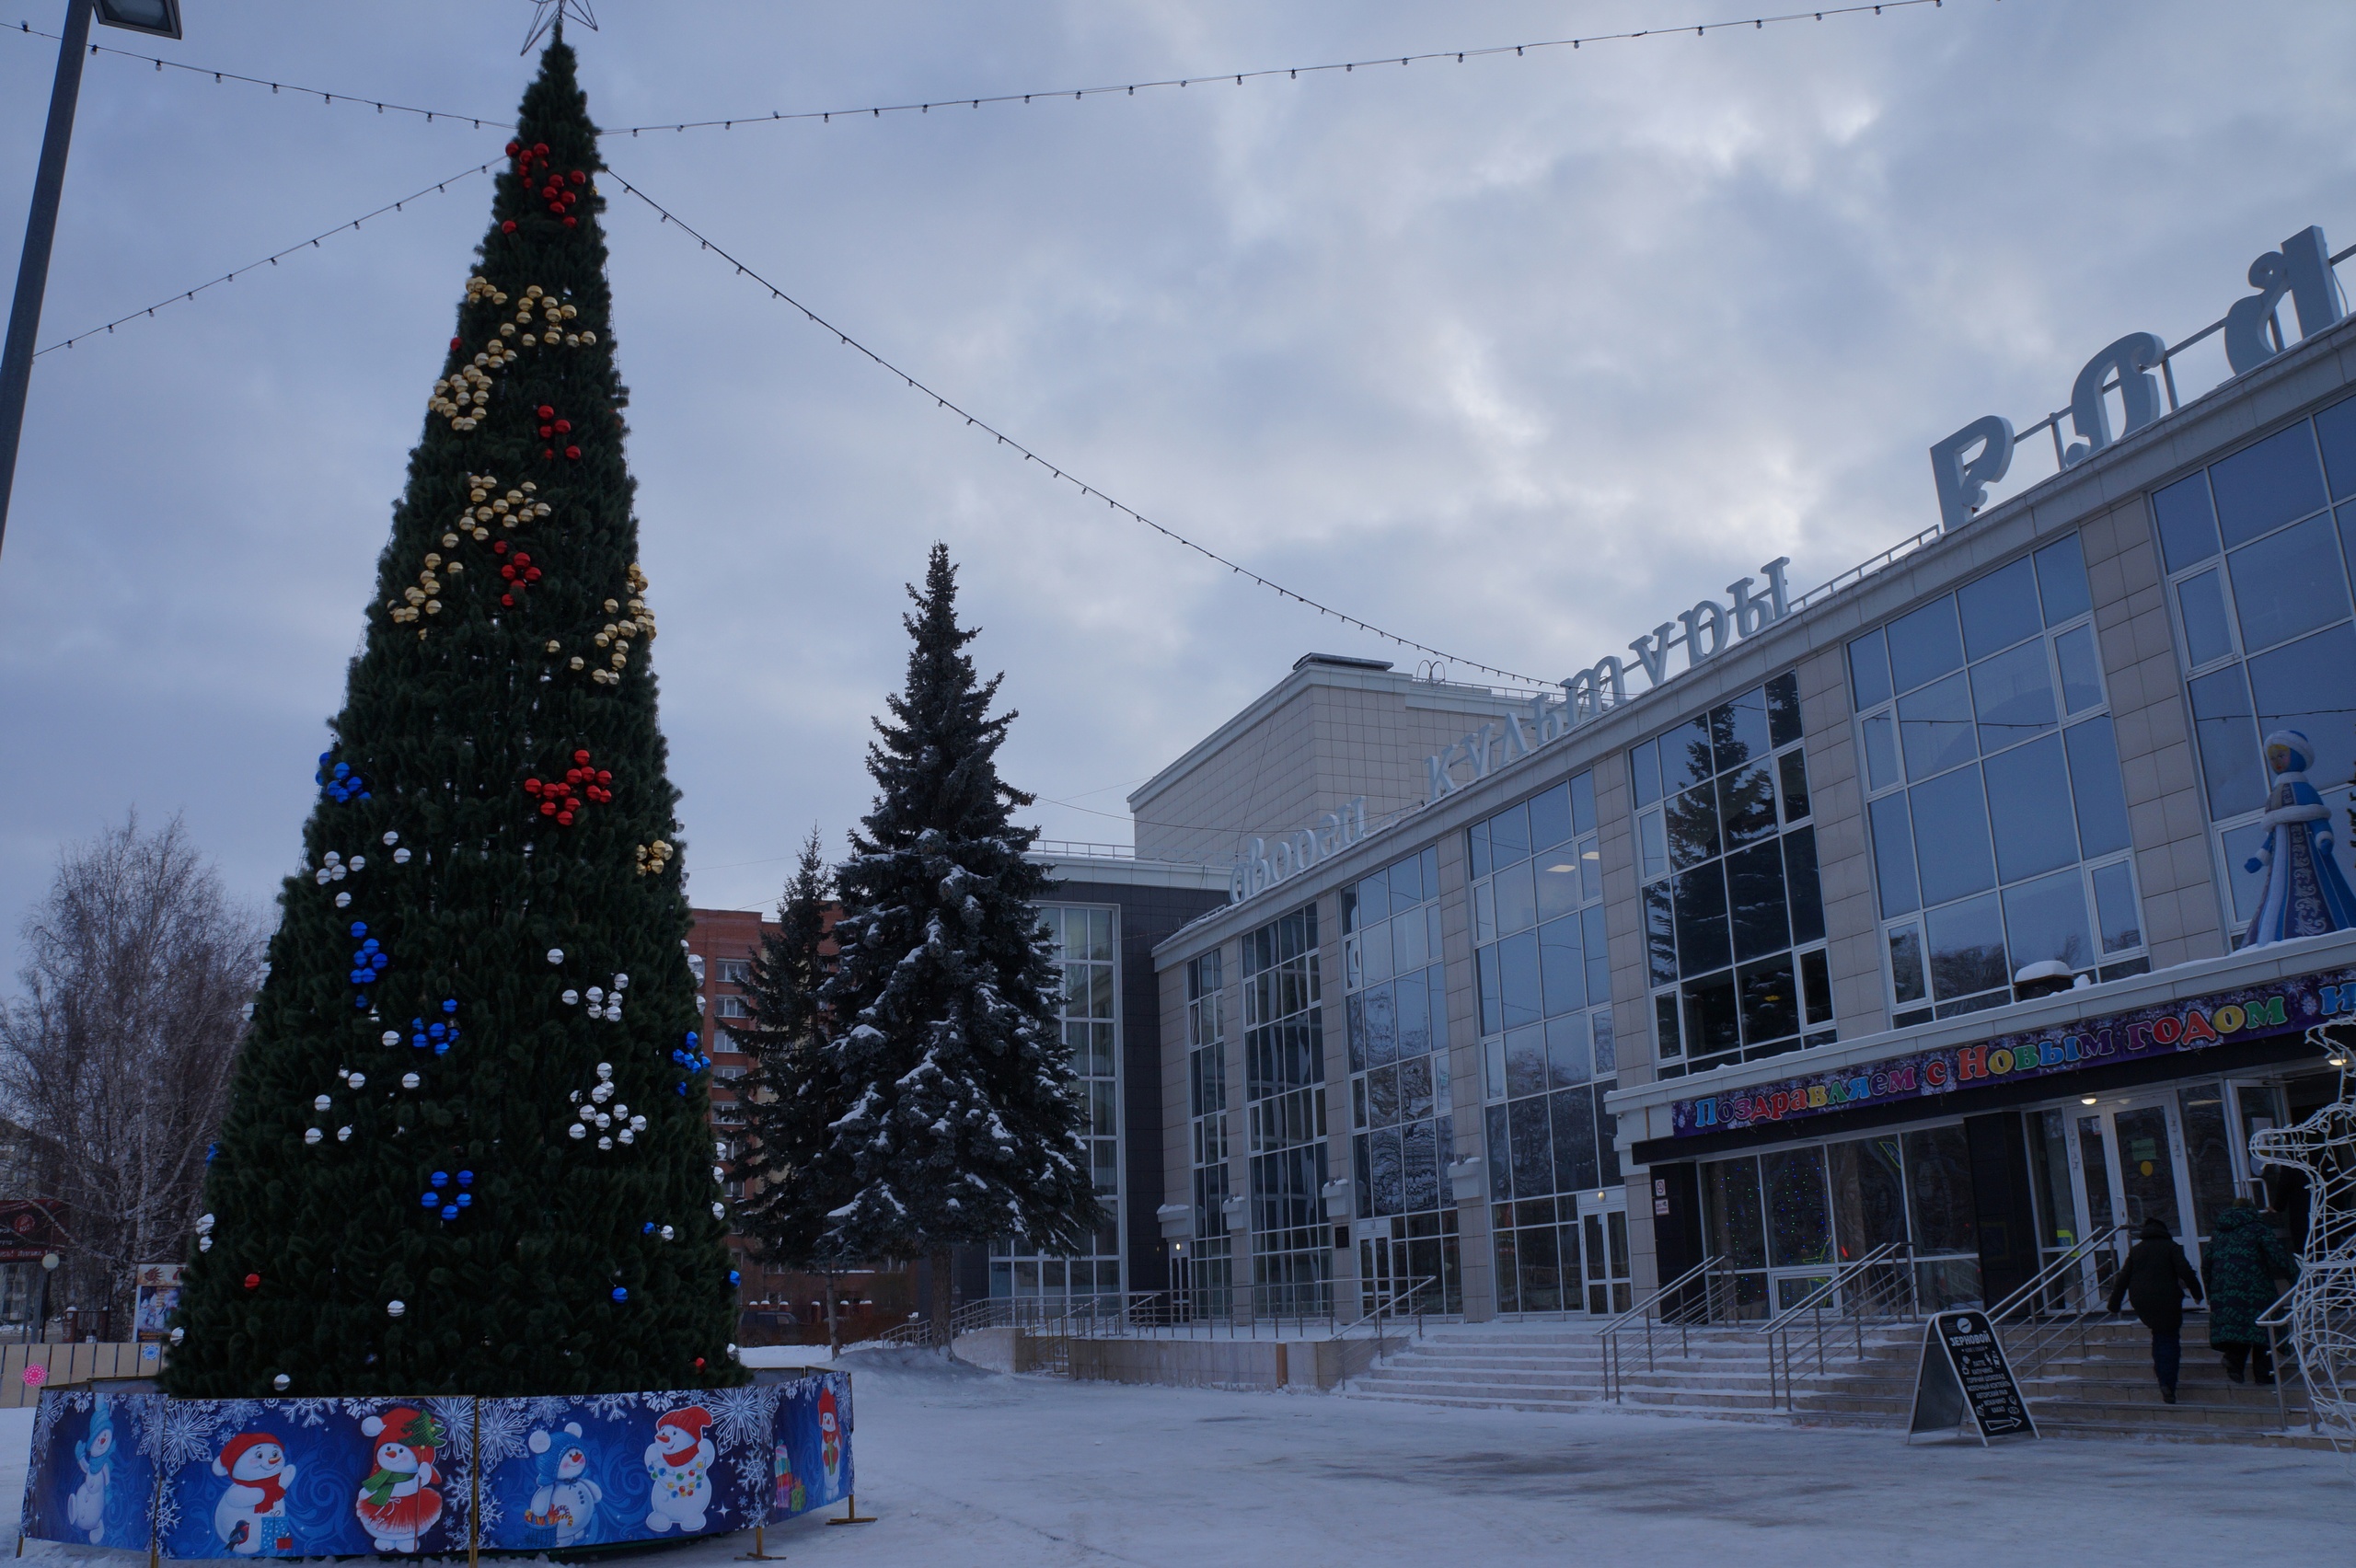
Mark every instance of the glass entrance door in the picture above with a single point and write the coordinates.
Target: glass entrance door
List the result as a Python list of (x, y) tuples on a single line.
[(2123, 1161), (1604, 1243)]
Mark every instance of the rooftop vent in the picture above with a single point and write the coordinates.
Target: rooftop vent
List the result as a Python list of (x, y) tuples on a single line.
[(1341, 661)]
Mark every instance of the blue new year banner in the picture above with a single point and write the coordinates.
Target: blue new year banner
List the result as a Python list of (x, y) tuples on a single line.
[(810, 1465), (598, 1468), (313, 1478), (392, 1477), (90, 1477)]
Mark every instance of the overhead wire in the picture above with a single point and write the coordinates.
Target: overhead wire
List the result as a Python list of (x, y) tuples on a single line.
[(941, 401), (271, 260), (382, 106), (1291, 72)]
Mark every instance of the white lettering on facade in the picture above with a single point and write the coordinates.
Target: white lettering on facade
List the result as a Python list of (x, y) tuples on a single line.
[(1258, 868), (2302, 269), (1707, 630)]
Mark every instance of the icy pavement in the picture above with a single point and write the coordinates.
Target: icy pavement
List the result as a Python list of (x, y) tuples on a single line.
[(971, 1469)]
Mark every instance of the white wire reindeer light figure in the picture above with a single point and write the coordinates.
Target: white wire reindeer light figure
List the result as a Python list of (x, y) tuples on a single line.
[(2323, 1301)]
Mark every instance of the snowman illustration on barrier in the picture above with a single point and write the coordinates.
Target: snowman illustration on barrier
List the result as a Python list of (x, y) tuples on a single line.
[(565, 1506), (250, 1518), (398, 1504), (85, 1510), (678, 1462), (830, 1440)]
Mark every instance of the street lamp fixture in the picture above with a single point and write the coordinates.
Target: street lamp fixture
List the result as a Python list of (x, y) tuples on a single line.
[(160, 17)]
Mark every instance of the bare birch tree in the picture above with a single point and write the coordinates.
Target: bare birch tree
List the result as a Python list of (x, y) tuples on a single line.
[(114, 1063)]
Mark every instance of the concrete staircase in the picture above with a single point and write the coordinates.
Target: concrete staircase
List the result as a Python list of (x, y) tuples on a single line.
[(2106, 1389)]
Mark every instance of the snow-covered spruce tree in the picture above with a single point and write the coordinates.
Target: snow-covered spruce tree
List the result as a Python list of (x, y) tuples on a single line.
[(964, 1126), (796, 1091), (466, 1149)]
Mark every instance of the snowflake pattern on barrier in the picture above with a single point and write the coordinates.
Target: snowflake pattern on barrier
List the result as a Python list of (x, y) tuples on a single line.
[(2323, 1301), (744, 1422)]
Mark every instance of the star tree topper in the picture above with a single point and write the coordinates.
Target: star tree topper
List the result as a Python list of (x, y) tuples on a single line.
[(547, 13)]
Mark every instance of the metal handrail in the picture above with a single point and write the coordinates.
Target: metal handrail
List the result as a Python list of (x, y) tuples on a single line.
[(1847, 1285), (1706, 1272), (1413, 1289), (2274, 1320), (2047, 1328)]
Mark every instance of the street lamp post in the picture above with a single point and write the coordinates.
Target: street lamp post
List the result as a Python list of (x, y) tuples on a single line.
[(159, 17)]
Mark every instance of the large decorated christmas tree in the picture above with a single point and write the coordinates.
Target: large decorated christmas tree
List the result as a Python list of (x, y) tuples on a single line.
[(467, 1150)]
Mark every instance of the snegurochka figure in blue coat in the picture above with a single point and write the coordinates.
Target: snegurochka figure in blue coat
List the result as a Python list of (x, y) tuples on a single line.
[(2305, 895)]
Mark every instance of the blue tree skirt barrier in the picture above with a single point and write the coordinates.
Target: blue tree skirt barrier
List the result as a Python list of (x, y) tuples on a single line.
[(391, 1477)]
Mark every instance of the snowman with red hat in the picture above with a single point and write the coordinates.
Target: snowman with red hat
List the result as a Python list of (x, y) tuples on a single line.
[(250, 1518), (398, 1504), (678, 1462)]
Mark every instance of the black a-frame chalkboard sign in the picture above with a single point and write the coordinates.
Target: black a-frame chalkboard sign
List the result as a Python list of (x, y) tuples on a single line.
[(1965, 1379)]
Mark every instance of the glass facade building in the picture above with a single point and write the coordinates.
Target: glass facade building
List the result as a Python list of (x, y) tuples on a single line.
[(1284, 1108), (1402, 1101)]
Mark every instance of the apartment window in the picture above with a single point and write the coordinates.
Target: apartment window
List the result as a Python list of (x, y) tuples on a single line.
[(1209, 1273), (733, 1006), (736, 971), (1994, 798), (1284, 1075), (1403, 1139), (1548, 1053), (1080, 937), (2259, 564), (1726, 850)]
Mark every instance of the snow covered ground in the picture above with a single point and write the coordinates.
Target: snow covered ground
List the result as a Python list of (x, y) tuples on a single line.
[(974, 1469)]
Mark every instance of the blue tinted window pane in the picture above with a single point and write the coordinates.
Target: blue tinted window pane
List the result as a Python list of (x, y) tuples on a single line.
[(2228, 736), (1599, 956), (1570, 1057), (1935, 727), (2013, 694), (2348, 538), (1414, 1015), (2000, 609), (1893, 855), (2081, 669), (1644, 769), (1702, 939), (1770, 1000), (2336, 428), (1550, 818), (1881, 751), (1784, 708), (2061, 579), (1738, 731), (1493, 1005), (1660, 934), (1574, 1146), (1967, 949), (1800, 881), (1583, 802), (1925, 645), (2047, 918), (2288, 584), (1951, 836), (1500, 1156), (1381, 1026), (2026, 788), (1711, 1021), (1755, 893), (2114, 908), (1746, 806), (2306, 687), (1428, 864), (2100, 793), (2207, 633), (1693, 819), (1869, 670), (1518, 985), (1509, 835), (1685, 753), (2263, 487), (1477, 847), (1533, 1154), (1564, 966), (2188, 524)]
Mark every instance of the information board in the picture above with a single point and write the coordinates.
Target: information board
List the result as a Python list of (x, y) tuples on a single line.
[(1964, 1377)]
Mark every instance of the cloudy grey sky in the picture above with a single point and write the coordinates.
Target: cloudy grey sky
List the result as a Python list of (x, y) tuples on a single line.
[(1516, 357)]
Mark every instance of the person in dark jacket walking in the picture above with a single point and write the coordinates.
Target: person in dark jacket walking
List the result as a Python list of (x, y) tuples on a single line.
[(2154, 1280), (2247, 1269)]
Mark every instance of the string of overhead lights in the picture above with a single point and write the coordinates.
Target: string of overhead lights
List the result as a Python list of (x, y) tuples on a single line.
[(26, 30), (1029, 455), (1290, 73), (269, 260), (1117, 89)]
